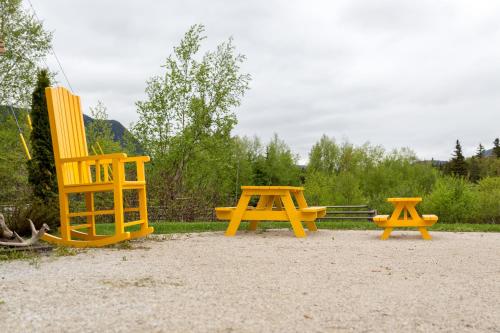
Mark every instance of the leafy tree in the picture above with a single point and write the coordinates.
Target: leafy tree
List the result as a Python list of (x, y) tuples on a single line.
[(496, 148), (458, 166), (13, 171), (480, 151), (324, 156), (452, 199), (26, 44), (41, 168), (99, 132), (185, 123), (278, 166)]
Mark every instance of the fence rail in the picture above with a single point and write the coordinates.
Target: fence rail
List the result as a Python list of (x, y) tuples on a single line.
[(348, 212)]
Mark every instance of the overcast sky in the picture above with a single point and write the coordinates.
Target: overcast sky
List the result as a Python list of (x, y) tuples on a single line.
[(416, 74)]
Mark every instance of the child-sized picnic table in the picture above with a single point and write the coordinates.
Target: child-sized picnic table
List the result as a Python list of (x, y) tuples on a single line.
[(411, 218), (276, 203)]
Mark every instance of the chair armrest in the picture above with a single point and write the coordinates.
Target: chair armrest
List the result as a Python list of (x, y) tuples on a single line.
[(139, 164), (143, 159), (94, 158)]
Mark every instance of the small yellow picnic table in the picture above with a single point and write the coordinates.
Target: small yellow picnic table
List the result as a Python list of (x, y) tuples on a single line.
[(405, 206), (275, 204)]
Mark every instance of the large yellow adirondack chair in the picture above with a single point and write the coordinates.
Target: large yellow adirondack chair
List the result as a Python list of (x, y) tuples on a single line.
[(77, 172)]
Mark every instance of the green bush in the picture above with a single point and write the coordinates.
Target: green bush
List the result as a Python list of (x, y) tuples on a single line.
[(488, 197), (453, 200)]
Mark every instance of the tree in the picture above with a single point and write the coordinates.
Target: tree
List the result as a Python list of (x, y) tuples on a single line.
[(41, 168), (480, 151), (13, 173), (192, 98), (99, 132), (26, 44), (475, 169), (496, 148), (185, 123), (278, 166), (458, 167), (324, 156)]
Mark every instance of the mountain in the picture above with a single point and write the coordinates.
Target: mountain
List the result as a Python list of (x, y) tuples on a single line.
[(116, 127), (488, 152), (119, 133)]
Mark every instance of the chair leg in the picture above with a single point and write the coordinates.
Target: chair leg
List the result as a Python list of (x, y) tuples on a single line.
[(425, 233), (311, 226), (386, 234), (89, 203), (118, 205), (143, 209), (63, 215)]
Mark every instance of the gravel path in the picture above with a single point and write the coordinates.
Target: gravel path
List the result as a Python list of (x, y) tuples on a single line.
[(332, 281)]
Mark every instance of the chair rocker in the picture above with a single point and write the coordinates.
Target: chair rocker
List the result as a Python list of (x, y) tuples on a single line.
[(77, 172)]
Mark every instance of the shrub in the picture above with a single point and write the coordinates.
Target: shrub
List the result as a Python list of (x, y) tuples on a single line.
[(453, 200), (488, 197), (37, 211)]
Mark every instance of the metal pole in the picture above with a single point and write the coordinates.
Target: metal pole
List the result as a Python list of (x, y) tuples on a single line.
[(23, 142)]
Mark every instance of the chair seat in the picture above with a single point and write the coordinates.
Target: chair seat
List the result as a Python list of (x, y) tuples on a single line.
[(98, 187), (380, 218), (429, 217), (313, 209)]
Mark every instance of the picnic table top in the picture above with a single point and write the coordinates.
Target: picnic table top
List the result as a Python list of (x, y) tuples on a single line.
[(293, 188), (404, 199)]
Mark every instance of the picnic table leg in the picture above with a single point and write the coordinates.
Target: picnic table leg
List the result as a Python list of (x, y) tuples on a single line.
[(386, 234), (235, 221), (262, 204), (425, 233), (301, 201), (277, 203), (298, 229)]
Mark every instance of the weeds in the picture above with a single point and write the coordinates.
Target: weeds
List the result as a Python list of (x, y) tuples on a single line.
[(17, 255), (64, 251)]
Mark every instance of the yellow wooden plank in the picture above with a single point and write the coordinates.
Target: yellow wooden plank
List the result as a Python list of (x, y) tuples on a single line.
[(416, 199), (293, 216), (264, 215), (79, 226), (265, 188), (129, 224), (235, 221)]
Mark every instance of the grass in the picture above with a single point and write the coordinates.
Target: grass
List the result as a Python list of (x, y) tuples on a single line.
[(188, 227), (8, 255)]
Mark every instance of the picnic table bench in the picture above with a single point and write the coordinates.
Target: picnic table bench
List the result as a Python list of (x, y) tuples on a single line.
[(276, 203), (410, 218)]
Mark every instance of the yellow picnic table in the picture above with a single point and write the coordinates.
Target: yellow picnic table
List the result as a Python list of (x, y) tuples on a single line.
[(410, 217), (276, 203)]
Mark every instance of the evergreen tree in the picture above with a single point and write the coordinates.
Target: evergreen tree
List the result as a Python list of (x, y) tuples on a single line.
[(458, 167), (496, 148), (480, 151), (41, 168), (475, 169)]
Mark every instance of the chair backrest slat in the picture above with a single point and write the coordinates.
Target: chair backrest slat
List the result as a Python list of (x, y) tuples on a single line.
[(68, 134)]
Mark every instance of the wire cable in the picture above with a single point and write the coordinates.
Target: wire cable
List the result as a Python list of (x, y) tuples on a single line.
[(53, 51)]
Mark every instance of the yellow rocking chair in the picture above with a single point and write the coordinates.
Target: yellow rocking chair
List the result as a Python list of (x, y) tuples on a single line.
[(77, 172)]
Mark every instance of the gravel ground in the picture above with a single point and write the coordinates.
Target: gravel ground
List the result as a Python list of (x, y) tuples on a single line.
[(331, 281)]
